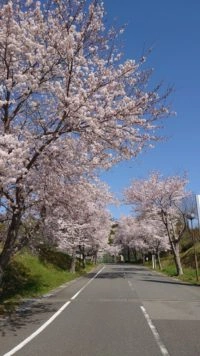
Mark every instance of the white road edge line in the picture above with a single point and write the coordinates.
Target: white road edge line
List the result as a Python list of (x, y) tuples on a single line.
[(49, 321), (162, 347), (37, 332)]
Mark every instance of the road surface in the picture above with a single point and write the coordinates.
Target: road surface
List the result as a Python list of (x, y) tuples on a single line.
[(124, 310)]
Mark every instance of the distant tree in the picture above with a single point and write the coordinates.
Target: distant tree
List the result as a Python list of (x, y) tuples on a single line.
[(155, 235), (162, 197), (144, 235)]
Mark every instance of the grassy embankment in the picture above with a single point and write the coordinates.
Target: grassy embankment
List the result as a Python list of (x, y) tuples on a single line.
[(31, 276), (188, 263)]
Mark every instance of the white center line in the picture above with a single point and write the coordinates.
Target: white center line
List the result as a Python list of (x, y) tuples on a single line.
[(49, 321), (162, 347)]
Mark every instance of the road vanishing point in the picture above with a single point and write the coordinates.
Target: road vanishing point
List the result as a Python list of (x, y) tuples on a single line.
[(118, 310)]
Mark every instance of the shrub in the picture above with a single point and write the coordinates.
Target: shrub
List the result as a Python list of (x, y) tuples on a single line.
[(57, 258)]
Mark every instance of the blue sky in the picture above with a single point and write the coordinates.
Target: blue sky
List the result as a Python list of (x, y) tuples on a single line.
[(172, 27)]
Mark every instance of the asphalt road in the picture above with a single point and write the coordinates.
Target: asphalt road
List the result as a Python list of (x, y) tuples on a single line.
[(125, 310)]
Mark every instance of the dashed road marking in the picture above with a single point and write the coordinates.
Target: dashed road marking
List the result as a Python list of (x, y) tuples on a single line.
[(159, 342)]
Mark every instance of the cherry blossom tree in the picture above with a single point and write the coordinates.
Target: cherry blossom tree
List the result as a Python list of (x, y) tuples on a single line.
[(143, 235), (74, 214), (62, 76), (128, 236), (162, 197), (154, 233), (114, 251)]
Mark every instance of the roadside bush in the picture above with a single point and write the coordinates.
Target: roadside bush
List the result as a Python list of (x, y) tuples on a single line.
[(57, 258), (188, 258), (186, 243)]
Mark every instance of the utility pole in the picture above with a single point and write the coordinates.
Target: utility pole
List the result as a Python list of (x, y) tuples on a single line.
[(191, 217)]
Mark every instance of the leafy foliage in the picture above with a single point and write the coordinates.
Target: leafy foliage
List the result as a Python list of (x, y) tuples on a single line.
[(57, 258)]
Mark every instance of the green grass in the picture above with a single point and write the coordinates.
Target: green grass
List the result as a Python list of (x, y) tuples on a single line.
[(28, 276), (187, 260), (189, 275), (187, 257)]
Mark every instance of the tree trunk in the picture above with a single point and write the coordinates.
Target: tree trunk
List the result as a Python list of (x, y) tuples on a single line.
[(177, 260), (175, 250), (9, 245), (95, 258), (83, 260), (83, 256), (128, 253), (73, 263), (1, 277), (159, 260), (135, 255)]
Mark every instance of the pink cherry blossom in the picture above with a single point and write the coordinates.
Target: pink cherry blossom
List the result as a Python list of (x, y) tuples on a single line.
[(160, 199), (63, 79)]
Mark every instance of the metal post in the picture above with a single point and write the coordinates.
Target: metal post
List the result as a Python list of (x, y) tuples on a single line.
[(195, 252)]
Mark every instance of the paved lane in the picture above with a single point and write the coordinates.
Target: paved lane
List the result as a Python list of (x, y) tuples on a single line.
[(106, 318), (174, 308)]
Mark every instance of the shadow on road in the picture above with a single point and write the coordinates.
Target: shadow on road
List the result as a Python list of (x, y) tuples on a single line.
[(168, 282), (108, 275), (120, 272), (28, 312), (129, 269)]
